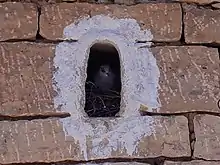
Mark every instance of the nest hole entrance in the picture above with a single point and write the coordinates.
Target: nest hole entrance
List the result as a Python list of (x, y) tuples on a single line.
[(103, 83)]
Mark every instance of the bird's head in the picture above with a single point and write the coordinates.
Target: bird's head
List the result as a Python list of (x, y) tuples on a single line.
[(105, 70)]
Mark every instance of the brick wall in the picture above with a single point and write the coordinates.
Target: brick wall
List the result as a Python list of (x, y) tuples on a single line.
[(186, 44)]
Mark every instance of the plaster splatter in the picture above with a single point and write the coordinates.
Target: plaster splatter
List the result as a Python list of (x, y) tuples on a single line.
[(140, 81)]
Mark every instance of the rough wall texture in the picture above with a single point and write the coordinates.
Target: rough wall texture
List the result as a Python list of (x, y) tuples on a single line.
[(44, 141), (186, 43), (149, 16), (19, 21)]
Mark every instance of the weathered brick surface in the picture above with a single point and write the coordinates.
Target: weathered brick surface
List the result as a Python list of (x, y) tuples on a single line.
[(207, 131), (216, 5), (164, 20), (54, 18), (201, 25), (115, 163), (202, 2), (18, 21), (194, 162), (26, 78), (44, 141), (126, 2), (189, 78)]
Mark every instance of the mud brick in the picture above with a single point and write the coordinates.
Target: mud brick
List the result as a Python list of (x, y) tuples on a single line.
[(18, 21), (26, 78), (202, 2), (125, 2), (163, 20), (54, 18), (115, 163), (201, 25), (207, 131), (45, 140), (194, 162), (216, 5), (189, 78)]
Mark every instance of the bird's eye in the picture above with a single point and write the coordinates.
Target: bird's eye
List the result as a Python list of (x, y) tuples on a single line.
[(102, 70)]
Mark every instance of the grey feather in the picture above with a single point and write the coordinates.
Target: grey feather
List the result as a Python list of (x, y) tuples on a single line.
[(104, 78)]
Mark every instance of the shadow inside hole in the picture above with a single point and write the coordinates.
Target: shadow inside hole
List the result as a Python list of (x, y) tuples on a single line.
[(103, 83)]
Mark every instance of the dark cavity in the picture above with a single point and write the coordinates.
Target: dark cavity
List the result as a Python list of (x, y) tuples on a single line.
[(103, 83)]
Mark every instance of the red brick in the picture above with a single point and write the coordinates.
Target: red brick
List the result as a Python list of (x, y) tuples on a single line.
[(18, 21)]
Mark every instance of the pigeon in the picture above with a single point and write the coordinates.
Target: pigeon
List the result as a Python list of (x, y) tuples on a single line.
[(104, 78)]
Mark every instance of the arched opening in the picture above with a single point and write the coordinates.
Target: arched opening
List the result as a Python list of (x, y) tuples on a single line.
[(103, 83)]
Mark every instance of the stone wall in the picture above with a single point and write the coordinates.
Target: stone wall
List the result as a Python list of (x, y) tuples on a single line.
[(186, 45)]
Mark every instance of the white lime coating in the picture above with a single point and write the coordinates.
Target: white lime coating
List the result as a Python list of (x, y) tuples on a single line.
[(139, 76), (128, 28)]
